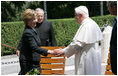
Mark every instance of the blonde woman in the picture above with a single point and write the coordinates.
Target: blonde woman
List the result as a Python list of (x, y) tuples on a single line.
[(30, 50)]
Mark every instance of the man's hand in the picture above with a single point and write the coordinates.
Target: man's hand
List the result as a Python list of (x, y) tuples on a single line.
[(18, 52), (58, 52)]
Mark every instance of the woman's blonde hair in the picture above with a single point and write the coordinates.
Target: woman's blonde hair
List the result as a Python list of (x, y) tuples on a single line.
[(28, 15)]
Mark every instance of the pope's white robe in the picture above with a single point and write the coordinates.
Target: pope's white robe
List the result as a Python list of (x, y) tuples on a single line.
[(86, 49)]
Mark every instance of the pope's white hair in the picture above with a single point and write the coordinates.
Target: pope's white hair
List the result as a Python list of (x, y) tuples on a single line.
[(39, 10), (82, 10)]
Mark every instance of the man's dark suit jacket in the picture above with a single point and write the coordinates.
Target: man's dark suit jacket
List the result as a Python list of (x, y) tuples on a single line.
[(46, 34), (113, 48), (30, 49)]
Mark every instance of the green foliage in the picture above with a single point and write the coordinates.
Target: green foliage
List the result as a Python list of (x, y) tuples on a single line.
[(12, 10), (100, 20), (33, 72), (64, 29), (65, 9), (11, 33), (33, 4)]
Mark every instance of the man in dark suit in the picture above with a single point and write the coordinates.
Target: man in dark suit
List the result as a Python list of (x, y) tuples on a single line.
[(44, 30), (112, 7)]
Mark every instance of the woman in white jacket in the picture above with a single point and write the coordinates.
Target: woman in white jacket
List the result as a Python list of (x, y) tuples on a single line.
[(85, 45)]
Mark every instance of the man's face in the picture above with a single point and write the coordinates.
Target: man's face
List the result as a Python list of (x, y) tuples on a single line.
[(78, 18), (112, 10), (40, 17)]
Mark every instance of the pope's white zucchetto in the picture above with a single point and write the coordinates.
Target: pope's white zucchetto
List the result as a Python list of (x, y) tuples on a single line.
[(82, 10)]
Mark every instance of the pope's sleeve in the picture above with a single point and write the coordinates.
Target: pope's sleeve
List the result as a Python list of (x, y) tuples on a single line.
[(73, 48)]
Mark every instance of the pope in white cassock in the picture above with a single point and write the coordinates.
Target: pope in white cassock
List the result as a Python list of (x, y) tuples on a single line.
[(85, 45)]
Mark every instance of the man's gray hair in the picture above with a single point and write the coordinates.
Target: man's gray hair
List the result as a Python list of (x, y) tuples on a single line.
[(39, 9), (111, 3), (82, 10)]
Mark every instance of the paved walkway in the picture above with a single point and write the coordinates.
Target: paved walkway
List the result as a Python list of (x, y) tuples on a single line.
[(10, 65)]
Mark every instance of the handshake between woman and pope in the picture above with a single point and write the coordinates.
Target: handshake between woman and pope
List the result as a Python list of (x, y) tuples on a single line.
[(57, 52)]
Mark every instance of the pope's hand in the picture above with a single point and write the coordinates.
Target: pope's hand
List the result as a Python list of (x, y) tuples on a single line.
[(58, 52)]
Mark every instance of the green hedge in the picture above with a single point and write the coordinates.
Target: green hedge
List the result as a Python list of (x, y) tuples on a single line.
[(64, 29)]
